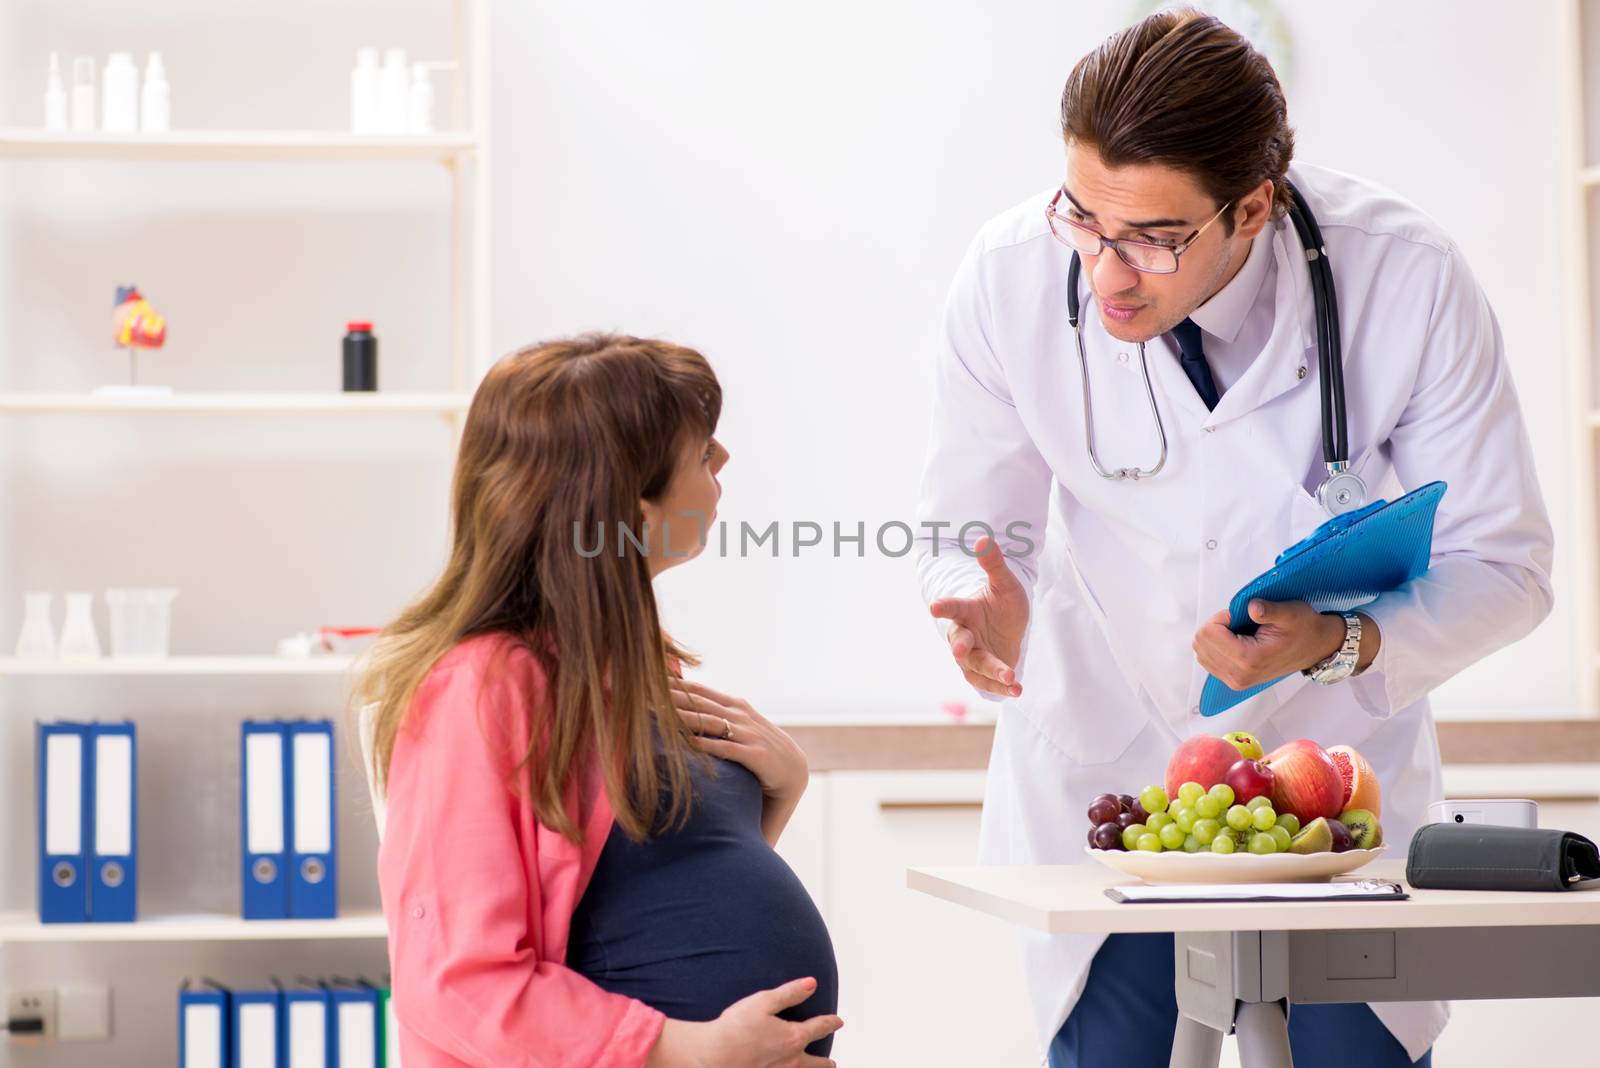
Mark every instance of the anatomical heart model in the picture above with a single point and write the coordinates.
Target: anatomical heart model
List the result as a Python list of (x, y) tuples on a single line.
[(135, 325)]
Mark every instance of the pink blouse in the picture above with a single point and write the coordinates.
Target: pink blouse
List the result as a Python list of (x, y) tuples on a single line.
[(479, 895)]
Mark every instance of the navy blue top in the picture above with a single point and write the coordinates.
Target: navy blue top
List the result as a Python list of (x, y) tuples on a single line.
[(694, 919)]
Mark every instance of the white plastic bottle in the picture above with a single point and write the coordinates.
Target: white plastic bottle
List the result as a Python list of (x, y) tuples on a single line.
[(55, 97), (395, 94), (119, 95), (421, 119), (83, 95), (364, 91), (155, 99)]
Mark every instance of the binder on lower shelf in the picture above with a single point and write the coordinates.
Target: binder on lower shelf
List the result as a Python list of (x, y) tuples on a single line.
[(203, 1025), (257, 1024), (113, 859), (64, 786), (313, 876), (356, 1024), (264, 808), (391, 1029), (308, 1041)]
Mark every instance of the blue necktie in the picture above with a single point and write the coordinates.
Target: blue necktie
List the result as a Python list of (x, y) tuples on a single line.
[(1187, 335)]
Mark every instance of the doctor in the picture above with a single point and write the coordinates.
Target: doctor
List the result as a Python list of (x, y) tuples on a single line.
[(1201, 460)]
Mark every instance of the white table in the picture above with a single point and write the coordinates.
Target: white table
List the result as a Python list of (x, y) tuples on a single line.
[(1239, 966)]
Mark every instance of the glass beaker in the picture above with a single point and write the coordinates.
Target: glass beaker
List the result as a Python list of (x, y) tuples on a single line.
[(38, 637), (141, 621), (78, 638)]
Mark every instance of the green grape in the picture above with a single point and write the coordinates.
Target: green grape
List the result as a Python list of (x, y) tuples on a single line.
[(1223, 843), (1262, 844), (1280, 834), (1172, 837), (1289, 822), (1239, 817), (1255, 802), (1130, 835), (1209, 807), (1148, 843), (1190, 792), (1184, 817), (1191, 844), (1206, 831), (1223, 793), (1264, 818), (1153, 799), (1157, 820)]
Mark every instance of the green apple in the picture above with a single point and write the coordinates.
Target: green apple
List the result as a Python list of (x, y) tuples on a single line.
[(1247, 744)]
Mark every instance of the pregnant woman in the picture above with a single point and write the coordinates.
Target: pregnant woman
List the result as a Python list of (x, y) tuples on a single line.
[(577, 864)]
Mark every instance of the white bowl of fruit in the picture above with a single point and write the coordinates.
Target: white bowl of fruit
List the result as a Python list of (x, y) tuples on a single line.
[(1230, 814)]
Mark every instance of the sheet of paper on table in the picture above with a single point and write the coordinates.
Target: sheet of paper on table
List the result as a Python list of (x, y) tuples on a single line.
[(1349, 890)]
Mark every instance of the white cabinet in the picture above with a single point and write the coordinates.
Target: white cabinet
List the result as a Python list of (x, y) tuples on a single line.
[(922, 984)]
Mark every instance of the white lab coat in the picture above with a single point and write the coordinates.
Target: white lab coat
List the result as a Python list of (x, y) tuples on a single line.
[(1129, 571)]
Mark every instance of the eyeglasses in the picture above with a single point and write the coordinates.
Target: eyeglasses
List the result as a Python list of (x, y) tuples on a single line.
[(1144, 256)]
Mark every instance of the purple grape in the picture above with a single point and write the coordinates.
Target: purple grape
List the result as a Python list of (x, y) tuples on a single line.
[(1126, 819), (1107, 836), (1105, 809), (1093, 831), (1140, 815), (1126, 801)]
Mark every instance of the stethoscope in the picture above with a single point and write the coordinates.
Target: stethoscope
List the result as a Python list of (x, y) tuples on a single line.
[(1342, 490)]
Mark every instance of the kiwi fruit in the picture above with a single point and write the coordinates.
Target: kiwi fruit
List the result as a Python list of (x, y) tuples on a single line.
[(1365, 831), (1314, 837)]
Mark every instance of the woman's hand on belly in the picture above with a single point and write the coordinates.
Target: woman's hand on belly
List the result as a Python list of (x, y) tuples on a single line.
[(728, 727), (748, 1034)]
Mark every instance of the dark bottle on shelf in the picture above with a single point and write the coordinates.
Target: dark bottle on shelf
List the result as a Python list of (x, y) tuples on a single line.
[(360, 358)]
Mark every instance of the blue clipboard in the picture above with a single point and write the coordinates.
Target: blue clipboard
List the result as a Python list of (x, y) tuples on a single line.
[(1345, 563)]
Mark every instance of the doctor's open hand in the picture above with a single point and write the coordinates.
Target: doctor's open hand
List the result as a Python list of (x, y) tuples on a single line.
[(986, 631), (1291, 636)]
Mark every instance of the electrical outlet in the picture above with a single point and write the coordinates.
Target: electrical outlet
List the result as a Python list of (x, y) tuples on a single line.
[(38, 1003)]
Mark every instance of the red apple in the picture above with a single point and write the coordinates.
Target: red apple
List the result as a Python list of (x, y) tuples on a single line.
[(1204, 759), (1249, 779), (1306, 781)]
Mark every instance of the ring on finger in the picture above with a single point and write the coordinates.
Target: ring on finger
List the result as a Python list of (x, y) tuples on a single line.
[(727, 730)]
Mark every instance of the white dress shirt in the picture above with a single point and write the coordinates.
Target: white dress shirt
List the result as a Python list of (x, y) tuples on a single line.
[(1235, 324)]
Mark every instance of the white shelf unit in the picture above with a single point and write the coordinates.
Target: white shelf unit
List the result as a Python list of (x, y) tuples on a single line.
[(113, 666), (464, 153), (20, 927), (223, 146), (1582, 184), (378, 403)]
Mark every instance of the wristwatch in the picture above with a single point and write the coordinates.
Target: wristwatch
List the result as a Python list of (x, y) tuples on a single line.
[(1342, 664)]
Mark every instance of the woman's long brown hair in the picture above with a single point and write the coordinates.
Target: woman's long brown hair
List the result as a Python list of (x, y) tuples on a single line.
[(561, 442)]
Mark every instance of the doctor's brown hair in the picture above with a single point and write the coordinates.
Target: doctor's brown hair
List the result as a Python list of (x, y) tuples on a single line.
[(564, 436), (1182, 90)]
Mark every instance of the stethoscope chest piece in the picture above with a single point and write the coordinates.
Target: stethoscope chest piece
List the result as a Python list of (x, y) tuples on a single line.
[(1342, 492)]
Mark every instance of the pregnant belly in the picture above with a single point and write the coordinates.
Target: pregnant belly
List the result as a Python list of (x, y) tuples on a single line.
[(691, 937)]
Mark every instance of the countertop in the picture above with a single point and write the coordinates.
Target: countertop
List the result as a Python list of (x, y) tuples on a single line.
[(930, 746)]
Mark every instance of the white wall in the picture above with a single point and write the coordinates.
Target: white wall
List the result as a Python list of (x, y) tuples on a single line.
[(788, 191), (792, 195)]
